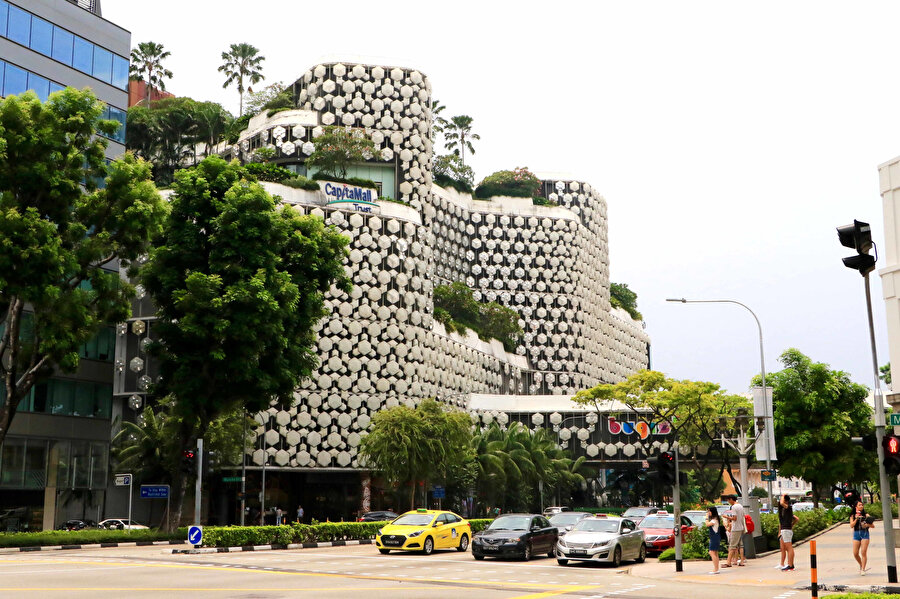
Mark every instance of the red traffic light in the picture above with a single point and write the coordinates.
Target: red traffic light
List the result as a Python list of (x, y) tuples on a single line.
[(667, 456), (188, 453), (893, 445)]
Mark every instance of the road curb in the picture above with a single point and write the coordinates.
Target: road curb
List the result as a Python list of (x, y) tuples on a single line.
[(88, 546), (853, 588), (270, 547)]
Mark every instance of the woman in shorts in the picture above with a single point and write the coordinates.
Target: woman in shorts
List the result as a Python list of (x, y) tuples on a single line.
[(786, 521), (716, 530), (860, 522)]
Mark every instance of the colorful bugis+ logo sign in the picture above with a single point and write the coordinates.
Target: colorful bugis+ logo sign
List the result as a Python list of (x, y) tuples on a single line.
[(643, 429)]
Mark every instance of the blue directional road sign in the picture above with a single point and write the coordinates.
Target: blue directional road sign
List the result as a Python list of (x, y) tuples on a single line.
[(154, 491), (195, 535), (439, 493)]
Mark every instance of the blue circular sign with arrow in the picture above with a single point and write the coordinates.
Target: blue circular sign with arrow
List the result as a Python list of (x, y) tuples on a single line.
[(195, 535)]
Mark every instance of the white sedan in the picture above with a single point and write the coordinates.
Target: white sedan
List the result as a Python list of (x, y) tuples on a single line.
[(608, 540), (121, 524)]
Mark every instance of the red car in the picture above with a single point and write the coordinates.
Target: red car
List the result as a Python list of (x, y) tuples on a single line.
[(659, 530)]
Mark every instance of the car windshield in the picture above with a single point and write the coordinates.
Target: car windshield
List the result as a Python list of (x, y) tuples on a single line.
[(565, 519), (636, 511), (591, 525), (696, 517), (658, 522), (413, 520), (511, 523)]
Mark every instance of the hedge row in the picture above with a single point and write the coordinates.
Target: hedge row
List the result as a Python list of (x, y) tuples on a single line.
[(86, 537), (236, 536)]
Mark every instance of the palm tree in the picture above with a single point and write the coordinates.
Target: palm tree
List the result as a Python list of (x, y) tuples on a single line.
[(459, 136), (243, 62), (146, 65), (144, 449), (439, 123)]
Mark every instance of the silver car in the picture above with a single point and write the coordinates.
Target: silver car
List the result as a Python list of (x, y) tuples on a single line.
[(609, 540)]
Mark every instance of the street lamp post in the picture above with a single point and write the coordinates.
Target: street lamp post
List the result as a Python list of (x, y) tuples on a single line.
[(767, 417), (742, 444)]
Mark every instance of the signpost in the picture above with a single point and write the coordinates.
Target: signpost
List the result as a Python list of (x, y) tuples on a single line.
[(124, 480), (895, 419), (770, 475), (157, 492), (232, 479), (439, 493), (195, 535)]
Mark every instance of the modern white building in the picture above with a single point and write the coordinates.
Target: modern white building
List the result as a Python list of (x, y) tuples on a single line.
[(889, 251), (381, 346)]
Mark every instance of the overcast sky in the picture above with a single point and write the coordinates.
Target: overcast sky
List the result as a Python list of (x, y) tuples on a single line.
[(729, 139)]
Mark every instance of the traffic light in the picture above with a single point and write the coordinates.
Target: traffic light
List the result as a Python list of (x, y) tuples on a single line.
[(859, 237), (189, 462), (664, 467), (891, 446), (210, 463)]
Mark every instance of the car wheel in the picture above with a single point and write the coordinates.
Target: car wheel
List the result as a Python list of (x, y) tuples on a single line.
[(526, 554), (463, 543), (428, 546), (617, 557), (384, 551), (642, 554), (552, 552), (562, 562), (478, 556)]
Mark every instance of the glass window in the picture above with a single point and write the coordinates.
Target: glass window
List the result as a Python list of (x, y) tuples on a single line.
[(62, 45), (62, 393), (40, 85), (35, 464), (12, 462), (39, 402), (15, 82), (83, 56), (4, 13), (19, 27), (81, 464), (41, 36), (102, 401), (59, 455), (120, 72), (84, 400), (56, 87), (102, 64), (99, 453), (119, 115)]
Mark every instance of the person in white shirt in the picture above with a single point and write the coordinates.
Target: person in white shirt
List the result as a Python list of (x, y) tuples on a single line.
[(737, 532)]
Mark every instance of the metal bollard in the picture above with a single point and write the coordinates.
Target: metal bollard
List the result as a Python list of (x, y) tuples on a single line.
[(812, 569)]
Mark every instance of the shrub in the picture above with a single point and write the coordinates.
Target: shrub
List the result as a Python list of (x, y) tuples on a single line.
[(667, 555), (266, 171), (518, 183), (449, 171), (322, 176), (85, 537), (874, 510), (301, 182), (460, 186), (457, 308), (392, 200)]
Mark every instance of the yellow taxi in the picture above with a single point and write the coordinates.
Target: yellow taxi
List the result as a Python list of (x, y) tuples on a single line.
[(424, 530)]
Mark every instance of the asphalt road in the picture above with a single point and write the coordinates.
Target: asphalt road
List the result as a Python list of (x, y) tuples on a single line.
[(149, 572)]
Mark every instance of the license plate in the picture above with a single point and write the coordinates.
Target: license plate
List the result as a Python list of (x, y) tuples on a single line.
[(489, 548), (395, 543), (578, 552)]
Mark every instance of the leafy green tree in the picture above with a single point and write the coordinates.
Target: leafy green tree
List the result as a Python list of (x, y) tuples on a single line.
[(885, 371), (456, 307), (239, 283), (338, 148), (759, 492), (146, 65), (620, 296), (271, 97), (460, 136), (60, 235), (450, 171), (407, 445), (518, 183), (211, 124), (817, 412), (243, 64)]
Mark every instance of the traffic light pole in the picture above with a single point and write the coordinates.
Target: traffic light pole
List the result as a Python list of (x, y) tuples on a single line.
[(676, 503), (885, 486), (198, 488)]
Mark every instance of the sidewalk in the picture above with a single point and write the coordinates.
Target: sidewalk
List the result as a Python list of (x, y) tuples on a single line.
[(837, 570)]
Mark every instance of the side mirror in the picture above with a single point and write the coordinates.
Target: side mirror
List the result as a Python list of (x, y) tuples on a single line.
[(436, 524)]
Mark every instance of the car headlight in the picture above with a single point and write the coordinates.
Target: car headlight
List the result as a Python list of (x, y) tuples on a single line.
[(515, 540), (378, 532), (415, 534), (602, 543), (562, 543)]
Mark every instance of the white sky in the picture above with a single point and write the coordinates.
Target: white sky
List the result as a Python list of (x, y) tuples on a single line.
[(729, 139)]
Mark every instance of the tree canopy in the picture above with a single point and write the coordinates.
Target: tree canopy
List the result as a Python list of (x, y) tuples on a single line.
[(339, 147), (620, 296), (239, 283), (817, 411), (60, 234), (407, 445), (146, 65), (459, 134), (242, 67), (456, 307)]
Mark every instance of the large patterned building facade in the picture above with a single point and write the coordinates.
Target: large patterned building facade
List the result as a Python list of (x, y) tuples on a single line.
[(380, 346)]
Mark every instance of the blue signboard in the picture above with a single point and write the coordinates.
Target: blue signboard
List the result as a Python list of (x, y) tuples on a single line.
[(195, 535), (154, 491), (439, 493)]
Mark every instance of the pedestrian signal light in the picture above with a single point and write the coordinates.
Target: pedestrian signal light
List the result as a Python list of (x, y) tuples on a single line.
[(891, 446)]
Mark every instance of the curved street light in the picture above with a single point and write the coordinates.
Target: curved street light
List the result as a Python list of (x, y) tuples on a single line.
[(762, 366)]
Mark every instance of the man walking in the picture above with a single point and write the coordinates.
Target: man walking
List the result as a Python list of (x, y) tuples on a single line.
[(738, 526)]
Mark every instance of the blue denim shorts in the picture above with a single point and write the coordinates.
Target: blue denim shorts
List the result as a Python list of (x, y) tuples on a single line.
[(861, 535)]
